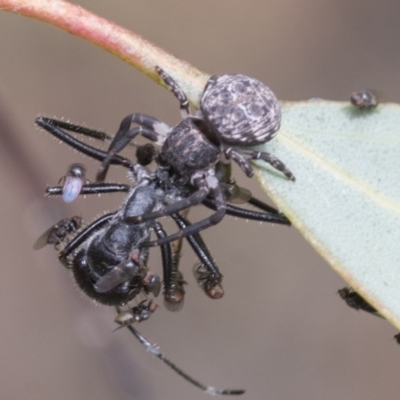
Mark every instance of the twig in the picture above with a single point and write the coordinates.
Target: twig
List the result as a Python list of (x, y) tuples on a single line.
[(119, 41)]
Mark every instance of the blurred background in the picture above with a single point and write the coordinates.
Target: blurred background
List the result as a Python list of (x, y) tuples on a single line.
[(281, 331)]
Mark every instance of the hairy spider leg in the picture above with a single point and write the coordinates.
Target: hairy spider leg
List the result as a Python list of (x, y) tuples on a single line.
[(174, 293), (151, 128), (177, 91), (263, 206), (210, 282), (83, 130), (51, 126), (242, 159), (244, 213), (93, 133), (96, 188)]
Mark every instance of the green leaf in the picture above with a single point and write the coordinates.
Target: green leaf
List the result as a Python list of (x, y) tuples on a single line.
[(346, 197)]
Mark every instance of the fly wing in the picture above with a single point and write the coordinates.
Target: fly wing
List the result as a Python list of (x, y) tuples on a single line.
[(71, 189), (43, 239), (238, 195)]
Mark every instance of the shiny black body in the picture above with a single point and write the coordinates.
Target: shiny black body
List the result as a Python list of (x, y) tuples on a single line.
[(107, 257)]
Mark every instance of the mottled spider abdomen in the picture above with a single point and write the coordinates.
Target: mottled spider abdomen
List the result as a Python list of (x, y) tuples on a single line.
[(240, 110)]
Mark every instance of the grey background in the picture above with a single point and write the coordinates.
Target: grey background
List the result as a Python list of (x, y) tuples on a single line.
[(281, 331)]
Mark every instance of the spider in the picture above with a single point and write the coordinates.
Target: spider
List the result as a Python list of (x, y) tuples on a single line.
[(234, 110), (168, 191)]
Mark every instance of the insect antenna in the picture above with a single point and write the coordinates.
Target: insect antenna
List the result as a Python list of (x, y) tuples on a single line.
[(156, 351)]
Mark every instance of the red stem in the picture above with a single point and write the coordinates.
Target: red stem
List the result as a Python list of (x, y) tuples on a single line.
[(121, 42)]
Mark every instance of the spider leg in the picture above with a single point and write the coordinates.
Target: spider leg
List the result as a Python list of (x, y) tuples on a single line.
[(210, 184), (174, 292), (194, 199), (93, 133), (150, 127), (95, 188), (154, 128), (263, 206), (156, 351), (244, 213), (82, 130), (210, 282), (240, 158), (84, 235), (177, 91), (99, 155), (236, 193)]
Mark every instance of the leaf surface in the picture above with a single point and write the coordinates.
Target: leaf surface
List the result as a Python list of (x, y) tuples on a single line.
[(346, 197)]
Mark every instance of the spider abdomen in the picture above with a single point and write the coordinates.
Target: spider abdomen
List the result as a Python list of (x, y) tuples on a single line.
[(240, 110)]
